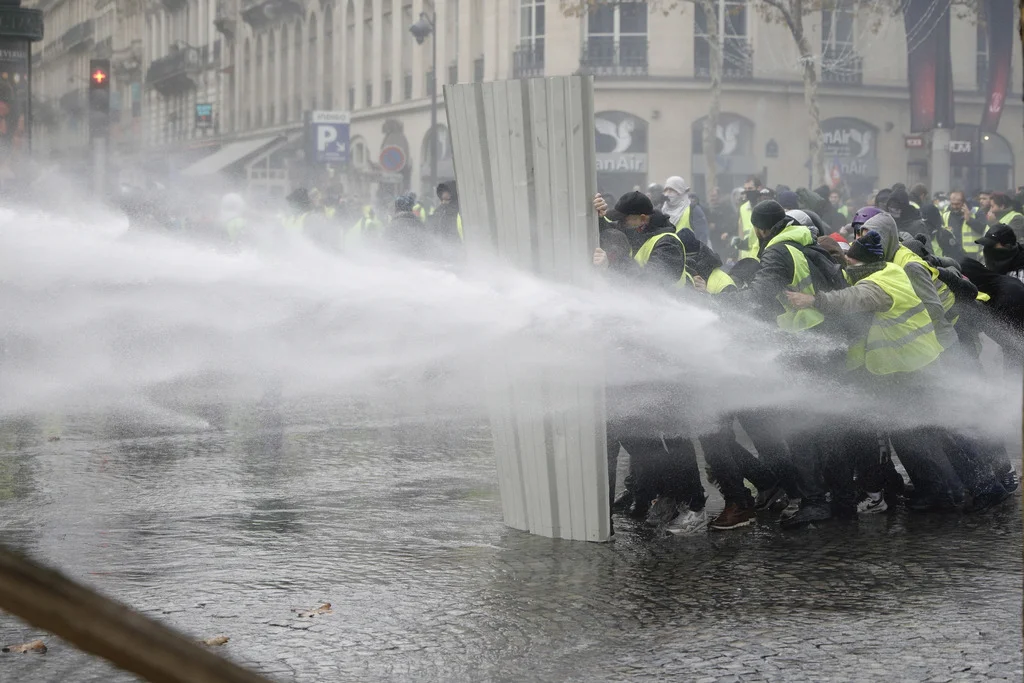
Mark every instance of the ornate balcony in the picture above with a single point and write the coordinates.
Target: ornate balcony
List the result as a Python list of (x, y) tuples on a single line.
[(174, 73), (614, 59), (842, 68), (528, 61), (79, 37), (262, 13)]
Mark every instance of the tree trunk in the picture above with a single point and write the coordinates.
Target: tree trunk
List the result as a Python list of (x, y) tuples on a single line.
[(817, 153), (711, 120)]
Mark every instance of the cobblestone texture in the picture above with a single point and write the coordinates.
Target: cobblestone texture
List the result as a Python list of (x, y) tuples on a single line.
[(398, 525)]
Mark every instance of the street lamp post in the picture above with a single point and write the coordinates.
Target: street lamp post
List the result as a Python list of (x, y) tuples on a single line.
[(420, 30)]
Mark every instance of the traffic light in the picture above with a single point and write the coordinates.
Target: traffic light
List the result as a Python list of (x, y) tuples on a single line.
[(99, 96)]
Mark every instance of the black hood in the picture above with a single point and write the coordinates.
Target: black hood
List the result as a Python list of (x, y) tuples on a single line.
[(1004, 261), (448, 186), (899, 202)]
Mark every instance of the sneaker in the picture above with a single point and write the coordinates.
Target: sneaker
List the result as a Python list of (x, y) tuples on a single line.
[(811, 512), (1010, 481), (663, 510), (773, 500), (873, 504), (624, 502), (733, 517), (791, 508), (689, 522)]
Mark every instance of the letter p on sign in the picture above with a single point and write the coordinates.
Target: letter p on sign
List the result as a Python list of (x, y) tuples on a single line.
[(325, 135)]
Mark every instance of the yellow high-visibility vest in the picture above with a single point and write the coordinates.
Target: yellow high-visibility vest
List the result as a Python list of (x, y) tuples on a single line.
[(901, 339), (719, 280), (795, 320), (684, 221), (644, 254), (747, 232), (903, 256), (967, 235)]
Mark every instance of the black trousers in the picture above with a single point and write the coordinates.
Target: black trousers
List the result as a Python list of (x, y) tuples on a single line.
[(729, 463), (659, 466)]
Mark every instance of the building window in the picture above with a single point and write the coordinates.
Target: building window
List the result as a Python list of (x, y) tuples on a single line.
[(407, 86), (737, 57), (453, 73), (839, 60), (529, 56), (478, 70), (616, 38), (387, 91), (368, 102)]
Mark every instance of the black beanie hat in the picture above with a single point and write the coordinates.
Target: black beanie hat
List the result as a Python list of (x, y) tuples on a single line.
[(867, 248), (767, 215)]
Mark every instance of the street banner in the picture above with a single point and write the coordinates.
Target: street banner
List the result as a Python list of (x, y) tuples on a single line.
[(999, 19), (929, 64)]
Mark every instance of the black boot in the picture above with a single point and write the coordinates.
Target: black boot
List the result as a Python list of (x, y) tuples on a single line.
[(810, 511)]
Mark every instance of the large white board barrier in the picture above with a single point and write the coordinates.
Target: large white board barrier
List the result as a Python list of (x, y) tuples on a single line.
[(525, 166)]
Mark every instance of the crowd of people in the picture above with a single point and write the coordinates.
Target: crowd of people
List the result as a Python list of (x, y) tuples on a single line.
[(906, 283)]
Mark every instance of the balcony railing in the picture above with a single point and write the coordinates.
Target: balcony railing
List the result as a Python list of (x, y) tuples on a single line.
[(737, 60), (78, 37), (173, 73), (614, 59), (841, 68), (528, 61)]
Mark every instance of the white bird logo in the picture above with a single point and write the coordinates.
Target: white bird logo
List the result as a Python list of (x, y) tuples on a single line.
[(730, 137), (623, 133)]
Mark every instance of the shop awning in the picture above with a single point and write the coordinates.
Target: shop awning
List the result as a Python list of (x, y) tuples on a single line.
[(229, 154)]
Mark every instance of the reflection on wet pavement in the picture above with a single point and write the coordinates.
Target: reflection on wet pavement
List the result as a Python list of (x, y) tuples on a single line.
[(397, 524)]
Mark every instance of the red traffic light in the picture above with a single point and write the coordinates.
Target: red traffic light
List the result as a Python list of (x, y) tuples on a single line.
[(99, 77)]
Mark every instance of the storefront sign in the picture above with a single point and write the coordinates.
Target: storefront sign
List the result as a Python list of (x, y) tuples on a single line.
[(621, 142), (959, 146), (850, 147), (913, 142)]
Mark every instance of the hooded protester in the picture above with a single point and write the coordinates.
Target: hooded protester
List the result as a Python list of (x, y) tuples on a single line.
[(908, 219), (446, 222), (920, 274), (829, 212), (681, 211), (1003, 253), (930, 213), (809, 220), (405, 233)]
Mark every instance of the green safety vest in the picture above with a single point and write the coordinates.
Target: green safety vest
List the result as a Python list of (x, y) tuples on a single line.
[(901, 339), (967, 236), (295, 223), (235, 227), (644, 254), (915, 205), (684, 220), (1009, 216), (904, 256), (747, 232), (368, 223), (795, 320), (719, 280)]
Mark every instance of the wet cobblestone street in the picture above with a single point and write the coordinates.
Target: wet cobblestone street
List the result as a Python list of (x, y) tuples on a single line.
[(226, 530)]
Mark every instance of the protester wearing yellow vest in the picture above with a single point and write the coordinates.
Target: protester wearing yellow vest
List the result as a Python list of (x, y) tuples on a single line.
[(920, 274), (900, 340), (366, 229), (961, 223), (664, 483), (1002, 211), (656, 248)]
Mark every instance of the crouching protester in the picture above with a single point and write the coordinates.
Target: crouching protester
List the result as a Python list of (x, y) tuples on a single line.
[(890, 358), (641, 251)]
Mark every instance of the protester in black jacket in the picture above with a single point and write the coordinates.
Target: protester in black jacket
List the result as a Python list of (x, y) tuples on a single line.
[(1005, 322), (635, 216)]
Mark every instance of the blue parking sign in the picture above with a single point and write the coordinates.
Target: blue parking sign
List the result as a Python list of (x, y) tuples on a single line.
[(329, 136)]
